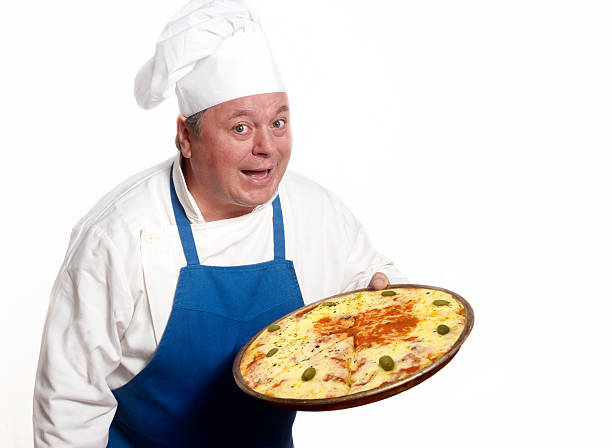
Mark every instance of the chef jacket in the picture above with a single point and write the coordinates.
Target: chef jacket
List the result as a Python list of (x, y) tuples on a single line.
[(113, 295)]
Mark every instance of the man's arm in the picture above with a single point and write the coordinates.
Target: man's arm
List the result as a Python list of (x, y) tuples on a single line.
[(88, 311), (365, 266)]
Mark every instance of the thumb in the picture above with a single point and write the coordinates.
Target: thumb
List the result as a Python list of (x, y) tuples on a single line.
[(379, 281)]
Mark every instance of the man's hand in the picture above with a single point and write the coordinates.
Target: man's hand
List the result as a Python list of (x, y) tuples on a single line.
[(379, 281)]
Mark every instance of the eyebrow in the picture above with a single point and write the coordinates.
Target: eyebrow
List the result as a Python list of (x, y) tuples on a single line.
[(252, 113), (241, 113)]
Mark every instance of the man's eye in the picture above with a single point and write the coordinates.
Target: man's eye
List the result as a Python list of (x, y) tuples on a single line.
[(279, 123), (241, 129)]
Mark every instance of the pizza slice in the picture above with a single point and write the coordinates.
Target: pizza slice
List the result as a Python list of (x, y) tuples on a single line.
[(377, 365), (325, 374), (402, 334), (266, 362)]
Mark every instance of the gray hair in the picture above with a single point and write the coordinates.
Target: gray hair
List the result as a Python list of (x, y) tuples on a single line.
[(193, 123)]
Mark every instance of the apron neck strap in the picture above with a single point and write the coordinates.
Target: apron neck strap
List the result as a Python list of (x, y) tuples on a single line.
[(188, 243), (279, 229), (184, 226)]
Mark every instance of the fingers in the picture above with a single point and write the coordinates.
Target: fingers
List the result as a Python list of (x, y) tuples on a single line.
[(379, 281)]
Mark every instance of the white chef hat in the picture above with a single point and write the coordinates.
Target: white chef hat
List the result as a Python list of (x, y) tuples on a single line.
[(212, 51)]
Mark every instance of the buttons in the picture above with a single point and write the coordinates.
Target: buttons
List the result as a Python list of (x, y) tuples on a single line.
[(150, 236)]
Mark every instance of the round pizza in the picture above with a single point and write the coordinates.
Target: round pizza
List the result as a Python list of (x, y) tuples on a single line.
[(353, 343)]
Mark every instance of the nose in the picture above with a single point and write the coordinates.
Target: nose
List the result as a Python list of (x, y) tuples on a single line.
[(263, 143)]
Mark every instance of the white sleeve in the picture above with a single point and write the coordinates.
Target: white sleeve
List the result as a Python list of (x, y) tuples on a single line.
[(88, 313), (363, 261)]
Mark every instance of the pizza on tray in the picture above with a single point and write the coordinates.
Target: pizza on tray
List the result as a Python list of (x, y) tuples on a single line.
[(352, 343)]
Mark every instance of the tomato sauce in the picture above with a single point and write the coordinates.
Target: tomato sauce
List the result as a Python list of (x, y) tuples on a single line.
[(329, 376), (401, 374), (377, 326), (306, 310), (257, 357), (341, 362)]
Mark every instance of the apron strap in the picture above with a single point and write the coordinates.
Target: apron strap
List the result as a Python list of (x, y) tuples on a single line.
[(188, 243), (184, 227), (279, 229)]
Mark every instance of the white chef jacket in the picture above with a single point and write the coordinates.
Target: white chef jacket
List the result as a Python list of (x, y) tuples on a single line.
[(114, 292)]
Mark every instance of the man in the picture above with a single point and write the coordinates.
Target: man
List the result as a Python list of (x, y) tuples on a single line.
[(174, 270)]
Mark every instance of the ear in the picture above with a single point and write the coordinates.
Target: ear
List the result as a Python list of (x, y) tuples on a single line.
[(184, 137)]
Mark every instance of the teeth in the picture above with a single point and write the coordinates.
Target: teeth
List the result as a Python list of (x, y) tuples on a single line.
[(256, 174)]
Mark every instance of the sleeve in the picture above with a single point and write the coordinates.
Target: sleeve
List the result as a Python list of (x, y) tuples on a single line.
[(88, 312), (363, 261)]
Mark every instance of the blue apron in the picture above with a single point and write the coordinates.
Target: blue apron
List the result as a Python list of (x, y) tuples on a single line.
[(186, 395)]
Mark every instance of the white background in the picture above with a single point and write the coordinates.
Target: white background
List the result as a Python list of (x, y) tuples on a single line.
[(472, 139)]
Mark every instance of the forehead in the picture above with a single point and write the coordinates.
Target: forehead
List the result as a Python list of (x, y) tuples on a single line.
[(264, 105)]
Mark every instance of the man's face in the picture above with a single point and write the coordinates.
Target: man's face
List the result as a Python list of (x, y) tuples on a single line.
[(241, 154)]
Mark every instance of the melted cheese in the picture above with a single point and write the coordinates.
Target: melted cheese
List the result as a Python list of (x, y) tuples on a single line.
[(344, 338), (331, 377)]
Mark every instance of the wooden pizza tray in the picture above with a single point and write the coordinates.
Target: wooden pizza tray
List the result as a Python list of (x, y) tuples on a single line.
[(366, 396)]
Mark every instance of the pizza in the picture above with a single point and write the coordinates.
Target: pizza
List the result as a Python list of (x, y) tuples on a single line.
[(353, 343)]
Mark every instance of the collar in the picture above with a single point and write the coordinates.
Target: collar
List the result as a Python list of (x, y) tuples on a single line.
[(188, 202)]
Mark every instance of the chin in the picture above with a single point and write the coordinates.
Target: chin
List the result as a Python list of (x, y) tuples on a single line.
[(255, 198), (251, 193)]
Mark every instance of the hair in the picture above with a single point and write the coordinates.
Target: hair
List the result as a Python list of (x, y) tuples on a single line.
[(193, 123)]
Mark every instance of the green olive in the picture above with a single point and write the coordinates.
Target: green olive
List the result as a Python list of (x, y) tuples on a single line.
[(329, 303), (386, 362), (308, 374), (443, 329), (272, 352), (440, 302), (388, 293), (274, 327)]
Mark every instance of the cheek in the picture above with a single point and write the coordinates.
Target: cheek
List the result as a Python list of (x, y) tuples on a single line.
[(285, 146), (228, 160), (224, 158)]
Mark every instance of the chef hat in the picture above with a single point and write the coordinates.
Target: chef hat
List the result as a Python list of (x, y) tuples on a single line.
[(212, 51)]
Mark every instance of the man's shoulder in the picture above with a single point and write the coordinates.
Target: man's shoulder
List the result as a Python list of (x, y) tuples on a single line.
[(296, 184), (308, 198), (137, 202)]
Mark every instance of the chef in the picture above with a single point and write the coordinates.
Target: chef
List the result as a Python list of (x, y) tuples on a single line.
[(175, 269)]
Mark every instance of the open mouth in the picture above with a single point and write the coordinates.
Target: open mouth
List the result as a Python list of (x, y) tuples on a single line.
[(256, 174)]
